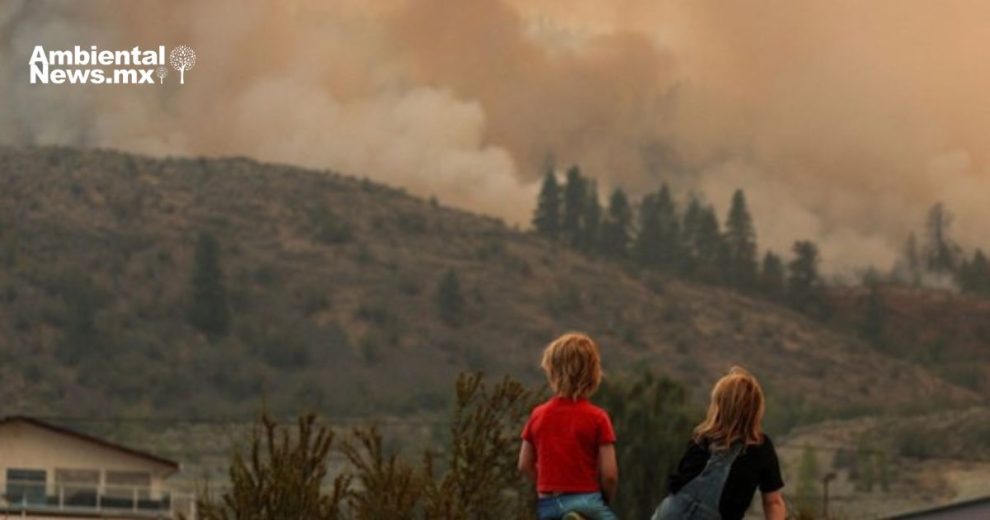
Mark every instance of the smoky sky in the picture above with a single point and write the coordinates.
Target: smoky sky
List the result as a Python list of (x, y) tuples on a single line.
[(843, 121)]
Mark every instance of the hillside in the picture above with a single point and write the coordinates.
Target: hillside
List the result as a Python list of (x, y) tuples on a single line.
[(947, 331), (332, 285), (893, 464)]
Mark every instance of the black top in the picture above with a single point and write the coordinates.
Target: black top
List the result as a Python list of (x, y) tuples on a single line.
[(756, 466)]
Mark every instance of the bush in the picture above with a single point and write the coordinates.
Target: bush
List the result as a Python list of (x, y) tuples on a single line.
[(408, 283), (208, 309), (281, 474), (370, 347), (490, 249), (652, 417), (449, 299), (917, 443), (312, 298), (387, 488), (286, 354), (564, 300), (328, 228), (376, 314), (412, 223)]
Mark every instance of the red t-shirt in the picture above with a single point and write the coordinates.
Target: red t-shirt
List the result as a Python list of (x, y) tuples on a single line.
[(566, 435)]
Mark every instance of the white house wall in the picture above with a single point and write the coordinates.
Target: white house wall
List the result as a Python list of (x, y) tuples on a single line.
[(24, 445)]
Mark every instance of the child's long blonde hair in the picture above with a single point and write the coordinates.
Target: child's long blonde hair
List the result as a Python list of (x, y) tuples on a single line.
[(573, 365), (735, 412)]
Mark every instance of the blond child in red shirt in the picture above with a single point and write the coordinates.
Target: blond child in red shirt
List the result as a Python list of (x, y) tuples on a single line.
[(568, 444)]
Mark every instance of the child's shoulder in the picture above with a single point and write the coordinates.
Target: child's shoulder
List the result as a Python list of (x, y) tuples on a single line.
[(583, 406), (541, 407), (597, 410)]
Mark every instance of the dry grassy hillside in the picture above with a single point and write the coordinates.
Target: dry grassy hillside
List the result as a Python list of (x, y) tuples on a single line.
[(332, 285), (884, 465), (947, 331)]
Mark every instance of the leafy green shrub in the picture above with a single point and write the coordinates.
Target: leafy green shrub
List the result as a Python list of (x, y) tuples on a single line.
[(651, 415)]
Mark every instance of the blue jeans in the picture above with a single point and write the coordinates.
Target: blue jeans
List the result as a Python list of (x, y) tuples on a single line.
[(591, 505)]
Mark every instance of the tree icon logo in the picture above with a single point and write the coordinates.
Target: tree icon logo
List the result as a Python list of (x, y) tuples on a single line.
[(182, 58), (162, 73)]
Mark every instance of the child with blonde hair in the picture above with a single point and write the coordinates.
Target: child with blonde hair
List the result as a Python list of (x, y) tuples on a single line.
[(568, 444), (728, 459)]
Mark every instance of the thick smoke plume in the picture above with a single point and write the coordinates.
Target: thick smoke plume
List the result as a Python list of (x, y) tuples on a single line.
[(842, 120)]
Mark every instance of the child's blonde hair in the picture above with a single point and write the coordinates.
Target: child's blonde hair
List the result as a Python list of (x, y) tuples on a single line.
[(735, 411), (573, 365)]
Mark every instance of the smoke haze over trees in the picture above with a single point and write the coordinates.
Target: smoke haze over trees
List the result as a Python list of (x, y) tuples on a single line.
[(843, 154), (654, 233)]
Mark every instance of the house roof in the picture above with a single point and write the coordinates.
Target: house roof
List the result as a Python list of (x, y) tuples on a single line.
[(172, 465), (947, 508)]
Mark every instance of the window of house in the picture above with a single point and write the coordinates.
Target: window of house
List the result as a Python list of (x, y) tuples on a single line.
[(78, 487), (25, 486), (128, 484)]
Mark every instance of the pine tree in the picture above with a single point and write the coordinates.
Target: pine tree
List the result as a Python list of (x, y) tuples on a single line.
[(449, 299), (912, 260), (980, 269), (82, 300), (740, 237), (546, 218), (974, 275), (657, 242), (591, 219), (805, 287), (709, 246), (772, 276), (575, 196), (208, 309), (669, 229), (689, 237), (874, 324), (941, 253), (647, 243), (617, 226)]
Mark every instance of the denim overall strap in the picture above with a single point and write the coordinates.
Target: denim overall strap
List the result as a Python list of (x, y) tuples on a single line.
[(707, 487)]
